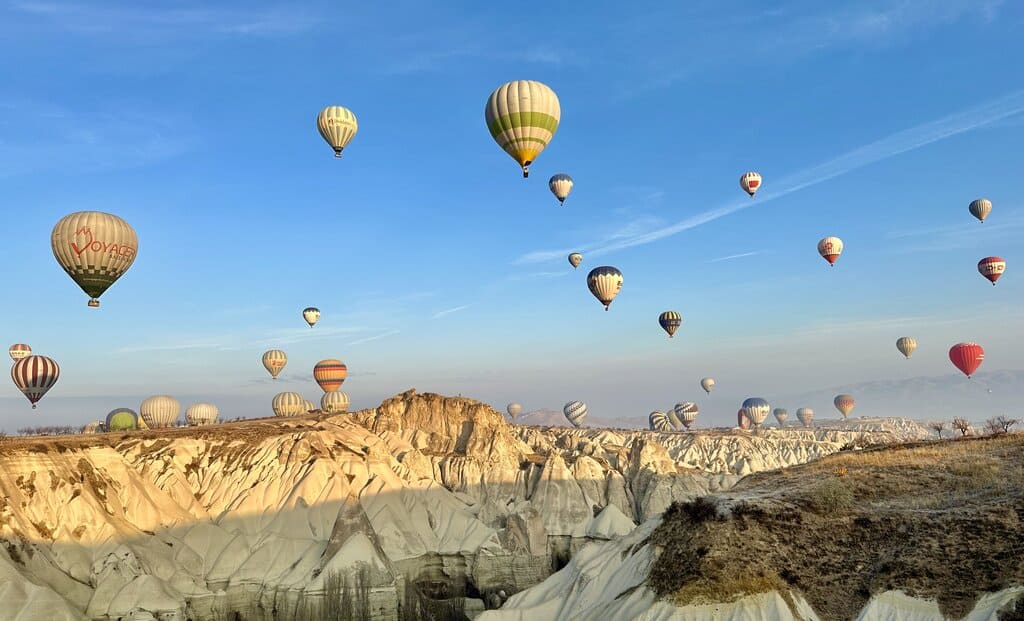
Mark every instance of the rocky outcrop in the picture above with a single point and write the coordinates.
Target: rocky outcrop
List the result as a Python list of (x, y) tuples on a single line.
[(423, 504)]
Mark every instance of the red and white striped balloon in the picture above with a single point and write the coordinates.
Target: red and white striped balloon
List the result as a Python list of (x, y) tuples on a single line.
[(34, 375), (992, 268)]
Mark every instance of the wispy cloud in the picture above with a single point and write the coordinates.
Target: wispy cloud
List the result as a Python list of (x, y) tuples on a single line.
[(735, 256), (373, 338), (449, 311), (890, 146), (165, 21)]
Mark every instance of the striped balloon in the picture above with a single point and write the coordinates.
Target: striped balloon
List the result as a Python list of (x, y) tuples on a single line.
[(659, 421), (334, 402), (160, 411), (95, 249), (845, 404), (575, 412), (19, 351), (906, 345), (830, 248), (605, 282), (707, 384), (288, 404), (781, 415), (757, 409), (201, 414), (670, 322), (309, 405), (750, 182), (273, 361), (560, 185), (330, 374), (805, 416), (992, 268), (967, 357), (513, 410), (311, 315), (575, 259), (338, 126), (686, 412), (34, 376), (980, 208), (122, 419), (673, 419), (522, 117)]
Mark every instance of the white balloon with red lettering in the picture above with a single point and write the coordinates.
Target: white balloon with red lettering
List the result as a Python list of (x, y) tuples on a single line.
[(95, 249)]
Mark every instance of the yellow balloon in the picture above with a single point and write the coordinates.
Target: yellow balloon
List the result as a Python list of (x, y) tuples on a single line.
[(338, 126), (522, 117)]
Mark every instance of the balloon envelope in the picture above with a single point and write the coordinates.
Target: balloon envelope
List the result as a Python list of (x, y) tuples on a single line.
[(95, 249), (122, 419), (288, 404), (201, 414), (273, 361), (780, 415), (575, 259), (980, 208), (906, 345), (19, 351), (560, 185), (513, 410), (523, 117), (160, 411), (805, 416), (830, 248), (750, 182), (992, 268), (658, 421), (575, 412), (311, 315), (330, 374), (670, 322), (337, 125), (845, 404), (334, 402), (34, 376), (757, 409), (967, 357), (743, 419), (707, 384), (686, 412), (605, 282)]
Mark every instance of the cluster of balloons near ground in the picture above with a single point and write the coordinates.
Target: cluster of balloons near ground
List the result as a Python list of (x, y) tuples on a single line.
[(97, 248), (158, 412), (329, 374)]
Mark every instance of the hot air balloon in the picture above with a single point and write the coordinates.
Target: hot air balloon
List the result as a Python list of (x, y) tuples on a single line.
[(805, 416), (522, 117), (311, 315), (309, 405), (288, 404), (273, 361), (513, 410), (560, 185), (338, 126), (34, 376), (575, 412), (845, 404), (781, 415), (659, 421), (830, 248), (992, 268), (670, 322), (330, 374), (743, 419), (122, 419), (95, 249), (686, 412), (750, 182), (160, 411), (19, 351), (334, 402), (575, 259), (605, 283), (201, 414), (757, 409), (980, 208), (673, 420), (967, 357), (707, 384), (906, 345)]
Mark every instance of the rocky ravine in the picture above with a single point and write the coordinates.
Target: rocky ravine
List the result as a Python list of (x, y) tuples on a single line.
[(425, 507)]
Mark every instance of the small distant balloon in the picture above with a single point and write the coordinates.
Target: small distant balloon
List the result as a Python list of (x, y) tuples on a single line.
[(311, 315), (575, 259), (830, 248), (780, 415), (560, 185), (845, 404), (967, 357), (980, 208), (605, 282), (575, 412), (750, 182), (513, 410), (670, 322), (805, 416), (992, 268), (906, 345), (19, 351), (707, 384), (273, 361), (337, 125)]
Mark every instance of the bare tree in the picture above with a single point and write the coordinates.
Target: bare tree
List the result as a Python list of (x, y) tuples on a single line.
[(999, 425), (962, 425), (938, 427)]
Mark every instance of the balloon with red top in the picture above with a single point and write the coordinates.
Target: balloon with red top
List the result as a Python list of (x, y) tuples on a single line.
[(967, 357)]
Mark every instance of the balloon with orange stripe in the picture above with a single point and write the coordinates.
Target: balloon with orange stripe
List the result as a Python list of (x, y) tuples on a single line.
[(330, 374)]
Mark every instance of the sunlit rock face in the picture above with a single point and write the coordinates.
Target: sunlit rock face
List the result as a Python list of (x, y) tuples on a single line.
[(425, 503)]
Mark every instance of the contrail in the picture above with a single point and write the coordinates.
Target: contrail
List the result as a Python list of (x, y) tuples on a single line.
[(882, 149), (735, 256), (373, 338), (449, 311)]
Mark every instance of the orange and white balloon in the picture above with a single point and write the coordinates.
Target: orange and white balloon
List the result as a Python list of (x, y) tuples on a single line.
[(830, 248), (750, 182)]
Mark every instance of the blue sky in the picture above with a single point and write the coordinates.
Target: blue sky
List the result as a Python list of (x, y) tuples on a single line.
[(437, 266)]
